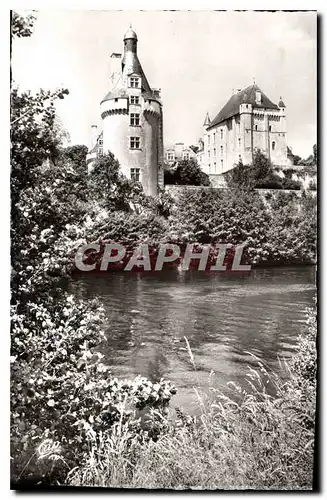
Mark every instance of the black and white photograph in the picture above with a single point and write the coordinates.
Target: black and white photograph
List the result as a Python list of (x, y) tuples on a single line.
[(163, 244)]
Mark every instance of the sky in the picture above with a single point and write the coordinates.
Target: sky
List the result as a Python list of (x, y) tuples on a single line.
[(197, 58)]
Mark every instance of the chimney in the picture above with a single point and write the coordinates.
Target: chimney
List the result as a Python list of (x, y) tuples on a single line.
[(115, 69), (94, 135)]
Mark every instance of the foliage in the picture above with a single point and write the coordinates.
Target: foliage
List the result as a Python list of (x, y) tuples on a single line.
[(22, 26), (64, 392), (112, 189), (187, 173), (251, 176)]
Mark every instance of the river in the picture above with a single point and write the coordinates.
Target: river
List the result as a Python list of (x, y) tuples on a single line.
[(226, 318)]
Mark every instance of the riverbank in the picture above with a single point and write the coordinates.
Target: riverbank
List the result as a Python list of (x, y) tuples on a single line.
[(261, 442)]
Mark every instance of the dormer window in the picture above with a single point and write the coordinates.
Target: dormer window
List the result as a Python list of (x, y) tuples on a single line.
[(258, 97), (134, 82)]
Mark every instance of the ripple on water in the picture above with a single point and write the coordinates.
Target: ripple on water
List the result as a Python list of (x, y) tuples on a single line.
[(224, 318)]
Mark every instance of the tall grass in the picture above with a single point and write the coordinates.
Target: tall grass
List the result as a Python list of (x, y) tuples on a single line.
[(251, 441)]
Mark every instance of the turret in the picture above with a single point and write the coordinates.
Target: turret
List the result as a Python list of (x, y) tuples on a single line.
[(207, 121)]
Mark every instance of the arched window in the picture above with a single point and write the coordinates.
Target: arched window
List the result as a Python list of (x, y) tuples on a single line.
[(273, 144)]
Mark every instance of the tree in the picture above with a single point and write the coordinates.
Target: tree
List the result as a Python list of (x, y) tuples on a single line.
[(112, 189), (187, 173), (258, 174)]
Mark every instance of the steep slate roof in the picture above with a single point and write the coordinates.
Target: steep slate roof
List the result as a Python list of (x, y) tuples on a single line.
[(246, 96)]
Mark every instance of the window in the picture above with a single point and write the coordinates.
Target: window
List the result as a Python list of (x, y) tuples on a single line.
[(209, 155), (222, 164), (269, 128), (273, 145), (186, 155), (239, 142), (135, 174), (208, 140), (214, 138), (116, 99), (221, 150), (134, 143), (135, 119), (170, 156), (240, 158), (258, 97), (221, 133), (214, 167), (135, 99), (256, 127), (100, 142), (214, 152), (134, 82)]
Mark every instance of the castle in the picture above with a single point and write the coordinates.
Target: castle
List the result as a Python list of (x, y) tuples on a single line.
[(132, 127), (249, 121), (132, 124)]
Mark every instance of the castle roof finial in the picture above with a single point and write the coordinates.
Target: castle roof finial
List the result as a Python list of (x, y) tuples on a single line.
[(130, 33)]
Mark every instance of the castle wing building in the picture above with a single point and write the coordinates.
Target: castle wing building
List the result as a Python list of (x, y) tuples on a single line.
[(249, 121)]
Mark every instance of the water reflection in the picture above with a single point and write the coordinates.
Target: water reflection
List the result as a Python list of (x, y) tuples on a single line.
[(226, 318)]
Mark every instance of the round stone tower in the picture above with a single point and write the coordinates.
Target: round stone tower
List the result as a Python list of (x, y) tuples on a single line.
[(132, 119)]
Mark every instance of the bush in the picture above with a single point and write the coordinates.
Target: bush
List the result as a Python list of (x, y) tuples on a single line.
[(187, 173)]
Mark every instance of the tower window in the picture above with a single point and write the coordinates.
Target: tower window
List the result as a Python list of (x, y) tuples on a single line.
[(222, 164), (256, 127), (208, 140), (214, 167), (269, 128), (273, 145), (221, 133), (135, 119), (135, 143), (135, 174), (221, 150), (134, 82), (239, 142), (214, 138), (135, 99), (214, 152)]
